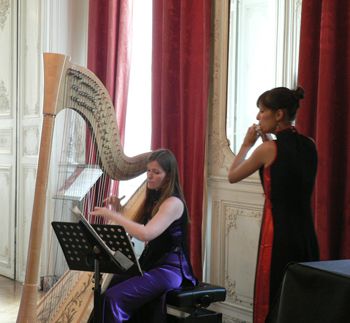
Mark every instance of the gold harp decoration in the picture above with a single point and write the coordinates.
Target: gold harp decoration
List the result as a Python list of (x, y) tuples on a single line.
[(70, 86)]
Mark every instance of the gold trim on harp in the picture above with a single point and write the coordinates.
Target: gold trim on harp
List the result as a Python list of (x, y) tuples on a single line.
[(98, 110)]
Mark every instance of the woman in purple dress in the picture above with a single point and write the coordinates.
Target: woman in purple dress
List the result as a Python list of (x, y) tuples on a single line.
[(287, 167), (161, 222)]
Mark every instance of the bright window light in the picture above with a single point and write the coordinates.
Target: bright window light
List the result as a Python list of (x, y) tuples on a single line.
[(138, 118)]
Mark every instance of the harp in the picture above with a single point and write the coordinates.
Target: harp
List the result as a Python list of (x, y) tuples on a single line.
[(73, 88)]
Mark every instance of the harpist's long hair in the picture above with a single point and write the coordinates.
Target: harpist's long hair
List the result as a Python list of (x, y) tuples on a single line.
[(170, 187)]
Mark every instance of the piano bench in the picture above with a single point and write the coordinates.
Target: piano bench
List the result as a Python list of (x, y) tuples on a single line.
[(189, 304)]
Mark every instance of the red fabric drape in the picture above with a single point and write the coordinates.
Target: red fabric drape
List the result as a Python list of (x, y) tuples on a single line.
[(324, 72), (180, 70), (109, 54), (109, 50)]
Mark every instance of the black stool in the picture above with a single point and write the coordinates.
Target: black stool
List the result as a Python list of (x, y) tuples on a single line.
[(189, 304)]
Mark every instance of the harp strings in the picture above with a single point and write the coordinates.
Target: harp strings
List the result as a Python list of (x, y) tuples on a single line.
[(78, 152), (76, 88), (86, 101)]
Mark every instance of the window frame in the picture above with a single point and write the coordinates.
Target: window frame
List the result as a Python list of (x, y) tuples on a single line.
[(287, 18)]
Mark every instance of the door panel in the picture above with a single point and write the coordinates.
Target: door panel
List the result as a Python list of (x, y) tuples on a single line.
[(8, 93)]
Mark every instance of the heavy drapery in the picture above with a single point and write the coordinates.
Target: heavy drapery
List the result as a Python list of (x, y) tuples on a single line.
[(109, 50), (109, 54), (180, 82), (324, 72)]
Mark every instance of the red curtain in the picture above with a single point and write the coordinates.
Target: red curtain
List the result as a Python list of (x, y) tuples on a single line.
[(109, 53), (324, 72), (180, 82)]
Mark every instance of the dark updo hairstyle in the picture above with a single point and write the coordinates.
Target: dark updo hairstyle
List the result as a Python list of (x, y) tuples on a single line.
[(282, 98)]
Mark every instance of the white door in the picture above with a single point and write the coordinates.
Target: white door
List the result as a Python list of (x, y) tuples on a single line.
[(27, 29), (8, 131)]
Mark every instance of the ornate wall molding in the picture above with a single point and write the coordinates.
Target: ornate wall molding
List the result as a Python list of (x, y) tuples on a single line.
[(4, 11), (6, 143), (220, 154), (239, 221), (233, 211), (30, 64), (231, 289), (4, 100), (30, 141), (6, 244)]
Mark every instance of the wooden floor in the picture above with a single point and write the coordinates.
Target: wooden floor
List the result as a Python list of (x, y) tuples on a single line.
[(10, 294)]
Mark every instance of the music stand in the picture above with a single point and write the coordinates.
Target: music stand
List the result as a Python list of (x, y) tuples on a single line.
[(97, 248)]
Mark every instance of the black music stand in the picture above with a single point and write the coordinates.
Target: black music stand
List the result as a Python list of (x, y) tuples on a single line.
[(97, 248)]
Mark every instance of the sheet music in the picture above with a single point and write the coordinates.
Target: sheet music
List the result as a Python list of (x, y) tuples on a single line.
[(79, 183), (124, 261)]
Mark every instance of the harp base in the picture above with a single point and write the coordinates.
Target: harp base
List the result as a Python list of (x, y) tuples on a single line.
[(27, 310)]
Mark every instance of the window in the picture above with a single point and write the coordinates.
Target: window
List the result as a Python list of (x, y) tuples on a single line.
[(138, 118), (263, 48)]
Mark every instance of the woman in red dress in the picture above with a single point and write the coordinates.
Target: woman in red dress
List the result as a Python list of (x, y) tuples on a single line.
[(287, 166)]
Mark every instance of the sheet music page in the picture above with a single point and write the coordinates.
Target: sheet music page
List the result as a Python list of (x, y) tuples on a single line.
[(124, 261), (79, 183)]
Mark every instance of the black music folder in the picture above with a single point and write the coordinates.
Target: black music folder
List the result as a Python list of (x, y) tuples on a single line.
[(82, 242)]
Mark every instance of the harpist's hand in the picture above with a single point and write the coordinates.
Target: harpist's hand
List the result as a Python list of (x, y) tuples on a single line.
[(114, 201), (105, 213)]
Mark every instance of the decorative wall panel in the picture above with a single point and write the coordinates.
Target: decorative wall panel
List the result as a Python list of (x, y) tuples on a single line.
[(240, 222), (6, 143), (44, 26), (31, 141), (29, 119), (8, 93), (4, 12), (7, 223), (30, 66), (4, 100)]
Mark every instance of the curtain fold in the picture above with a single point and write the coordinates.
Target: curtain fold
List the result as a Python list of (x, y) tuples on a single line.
[(109, 54), (324, 73), (180, 85)]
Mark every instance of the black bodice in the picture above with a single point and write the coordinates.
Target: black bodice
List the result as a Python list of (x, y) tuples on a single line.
[(173, 239)]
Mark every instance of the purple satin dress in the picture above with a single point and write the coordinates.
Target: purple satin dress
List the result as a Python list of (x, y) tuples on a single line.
[(165, 265)]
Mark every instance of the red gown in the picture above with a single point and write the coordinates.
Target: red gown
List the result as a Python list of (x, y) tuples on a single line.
[(287, 232)]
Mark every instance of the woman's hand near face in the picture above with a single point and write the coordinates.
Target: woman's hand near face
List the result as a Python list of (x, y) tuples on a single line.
[(262, 155), (251, 136), (264, 136)]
